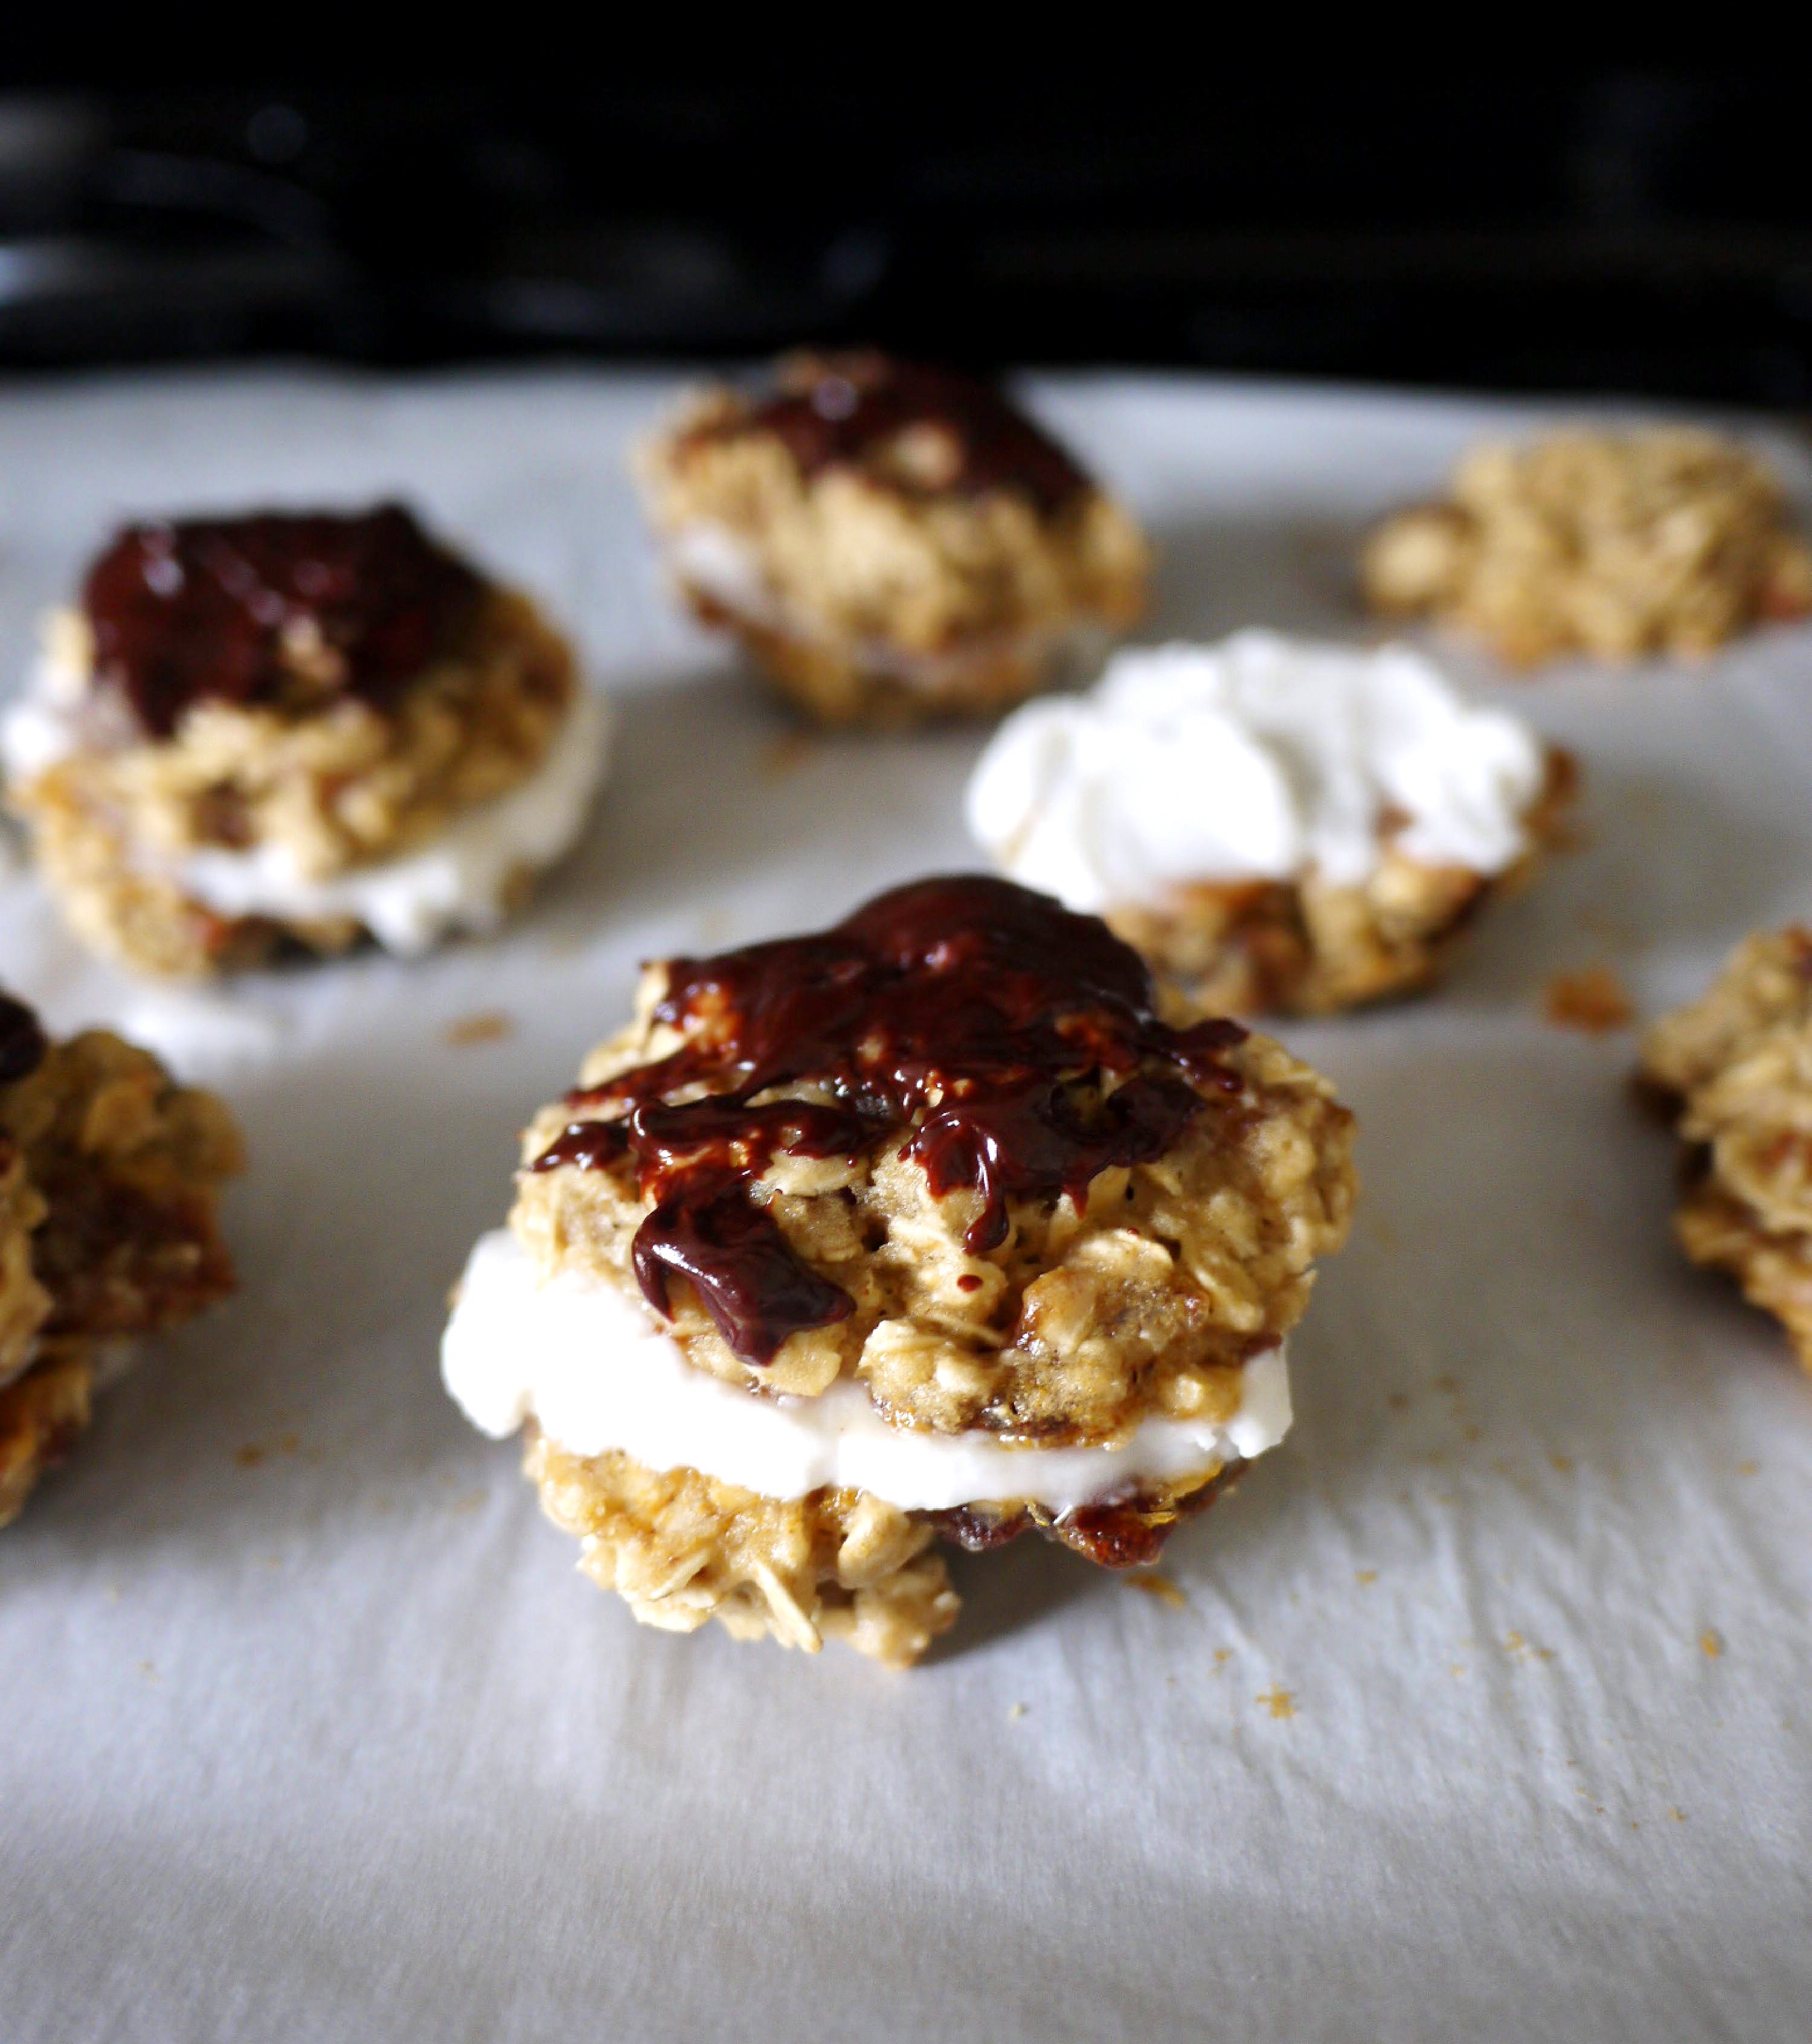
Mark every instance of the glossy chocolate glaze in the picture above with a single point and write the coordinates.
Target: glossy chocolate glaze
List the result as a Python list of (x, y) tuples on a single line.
[(973, 1016), (23, 1043), (852, 411), (237, 609)]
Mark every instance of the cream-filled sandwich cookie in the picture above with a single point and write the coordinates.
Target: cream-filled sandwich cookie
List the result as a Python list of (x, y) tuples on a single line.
[(890, 541), (290, 731), (925, 1225)]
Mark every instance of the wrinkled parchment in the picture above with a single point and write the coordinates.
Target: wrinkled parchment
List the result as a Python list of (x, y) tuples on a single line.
[(1484, 1712)]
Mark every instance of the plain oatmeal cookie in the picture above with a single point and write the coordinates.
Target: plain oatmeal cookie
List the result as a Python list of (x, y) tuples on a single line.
[(890, 542), (1665, 539), (257, 735), (940, 1175), (680, 1548), (109, 1178), (1735, 1068)]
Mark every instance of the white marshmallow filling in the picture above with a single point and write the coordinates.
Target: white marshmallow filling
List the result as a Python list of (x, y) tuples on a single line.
[(1260, 759), (594, 1369)]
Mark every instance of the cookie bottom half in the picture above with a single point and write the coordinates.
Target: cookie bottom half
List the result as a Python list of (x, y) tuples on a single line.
[(680, 1547), (149, 923), (215, 909), (865, 684)]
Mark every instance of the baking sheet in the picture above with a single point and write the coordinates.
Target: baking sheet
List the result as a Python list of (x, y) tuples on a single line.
[(1486, 1712)]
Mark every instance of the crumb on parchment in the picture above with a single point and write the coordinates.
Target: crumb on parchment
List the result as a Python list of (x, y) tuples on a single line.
[(1159, 1587), (489, 1025), (1593, 1000)]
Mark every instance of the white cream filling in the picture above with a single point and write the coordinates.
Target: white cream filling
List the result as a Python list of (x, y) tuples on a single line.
[(1261, 758), (460, 880), (595, 1370)]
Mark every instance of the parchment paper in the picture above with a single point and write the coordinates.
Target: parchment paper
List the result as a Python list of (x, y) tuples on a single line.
[(1486, 1714)]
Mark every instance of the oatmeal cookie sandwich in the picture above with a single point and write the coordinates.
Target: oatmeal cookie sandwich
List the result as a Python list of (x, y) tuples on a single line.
[(1274, 823), (889, 541), (1665, 539), (1734, 1069), (924, 1226), (289, 731), (110, 1176)]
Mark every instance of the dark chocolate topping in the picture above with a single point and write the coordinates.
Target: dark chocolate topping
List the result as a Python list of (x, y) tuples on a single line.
[(23, 1043), (1128, 1531), (217, 608), (918, 430), (977, 1015)]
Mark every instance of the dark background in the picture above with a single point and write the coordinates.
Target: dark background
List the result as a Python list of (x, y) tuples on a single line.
[(1617, 229)]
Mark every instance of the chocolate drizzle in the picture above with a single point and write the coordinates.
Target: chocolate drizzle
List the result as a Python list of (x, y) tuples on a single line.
[(23, 1044), (262, 608), (974, 1017), (917, 429), (1128, 1531)]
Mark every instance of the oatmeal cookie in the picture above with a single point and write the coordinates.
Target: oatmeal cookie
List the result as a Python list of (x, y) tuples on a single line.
[(1666, 539), (680, 1548), (109, 1178), (1275, 824), (890, 542), (274, 733), (1735, 1068), (926, 1224)]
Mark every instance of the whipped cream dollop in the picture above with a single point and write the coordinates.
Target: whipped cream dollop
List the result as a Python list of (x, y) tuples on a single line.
[(1261, 758), (592, 1367), (462, 879)]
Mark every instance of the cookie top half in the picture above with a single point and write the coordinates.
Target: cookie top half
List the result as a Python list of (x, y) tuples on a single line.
[(951, 1148)]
